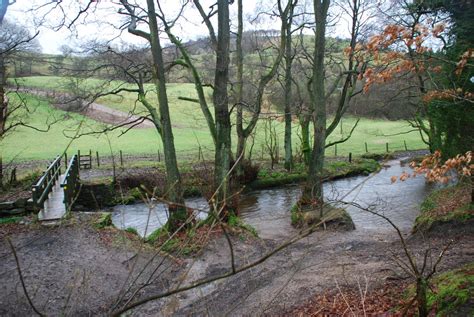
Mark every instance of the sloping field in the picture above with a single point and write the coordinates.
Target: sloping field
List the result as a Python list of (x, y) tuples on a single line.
[(190, 130)]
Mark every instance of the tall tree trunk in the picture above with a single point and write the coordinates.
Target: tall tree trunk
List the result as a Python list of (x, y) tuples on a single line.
[(288, 95), (3, 97), (313, 189), (175, 194), (285, 16), (221, 106), (305, 143), (241, 139), (3, 110), (421, 287)]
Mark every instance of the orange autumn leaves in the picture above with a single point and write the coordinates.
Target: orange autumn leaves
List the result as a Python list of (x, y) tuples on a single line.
[(463, 62), (400, 49), (435, 170), (411, 42)]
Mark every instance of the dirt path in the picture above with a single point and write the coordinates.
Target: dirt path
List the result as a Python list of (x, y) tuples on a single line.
[(69, 270), (93, 110)]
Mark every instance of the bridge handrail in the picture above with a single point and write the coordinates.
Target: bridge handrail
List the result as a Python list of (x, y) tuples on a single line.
[(70, 183), (45, 184)]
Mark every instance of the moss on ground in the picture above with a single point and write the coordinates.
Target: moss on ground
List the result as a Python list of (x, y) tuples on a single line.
[(450, 292), (132, 230), (8, 220), (450, 204), (104, 220), (333, 217), (378, 156), (182, 243), (237, 222)]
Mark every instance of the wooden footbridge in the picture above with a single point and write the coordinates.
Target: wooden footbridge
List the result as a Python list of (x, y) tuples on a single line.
[(54, 193)]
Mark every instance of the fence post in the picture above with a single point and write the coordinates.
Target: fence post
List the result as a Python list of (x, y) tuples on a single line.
[(90, 158), (350, 157), (159, 155), (386, 146), (200, 153), (405, 143), (335, 149), (97, 158), (77, 163), (366, 148), (121, 158), (65, 158)]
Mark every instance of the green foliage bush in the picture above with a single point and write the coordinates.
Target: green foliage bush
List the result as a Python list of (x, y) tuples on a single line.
[(104, 220), (132, 230), (8, 220)]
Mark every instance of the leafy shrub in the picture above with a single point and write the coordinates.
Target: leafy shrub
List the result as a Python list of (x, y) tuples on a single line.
[(132, 230), (104, 220), (8, 220)]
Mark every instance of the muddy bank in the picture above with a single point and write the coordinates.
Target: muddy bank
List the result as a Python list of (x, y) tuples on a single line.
[(76, 270)]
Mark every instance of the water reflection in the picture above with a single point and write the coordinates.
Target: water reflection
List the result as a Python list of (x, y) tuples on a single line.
[(268, 210)]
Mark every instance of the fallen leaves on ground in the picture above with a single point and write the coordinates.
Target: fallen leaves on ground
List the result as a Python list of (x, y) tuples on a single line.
[(386, 300)]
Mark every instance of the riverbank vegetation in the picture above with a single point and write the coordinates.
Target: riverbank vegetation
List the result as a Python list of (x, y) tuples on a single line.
[(446, 205)]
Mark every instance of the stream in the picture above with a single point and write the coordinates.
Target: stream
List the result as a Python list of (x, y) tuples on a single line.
[(268, 210)]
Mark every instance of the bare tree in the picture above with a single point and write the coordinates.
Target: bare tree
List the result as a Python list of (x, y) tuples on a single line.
[(285, 14), (320, 92), (13, 39)]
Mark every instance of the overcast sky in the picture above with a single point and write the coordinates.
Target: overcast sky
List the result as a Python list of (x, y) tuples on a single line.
[(103, 21)]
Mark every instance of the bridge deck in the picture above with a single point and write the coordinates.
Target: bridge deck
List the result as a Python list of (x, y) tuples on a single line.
[(54, 207)]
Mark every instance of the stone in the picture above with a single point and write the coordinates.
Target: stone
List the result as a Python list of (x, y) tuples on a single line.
[(7, 205), (12, 212), (20, 203), (30, 206)]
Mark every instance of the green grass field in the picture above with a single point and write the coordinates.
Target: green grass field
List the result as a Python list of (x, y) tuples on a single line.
[(190, 129)]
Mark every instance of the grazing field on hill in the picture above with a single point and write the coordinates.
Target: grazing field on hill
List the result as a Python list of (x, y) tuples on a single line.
[(190, 130)]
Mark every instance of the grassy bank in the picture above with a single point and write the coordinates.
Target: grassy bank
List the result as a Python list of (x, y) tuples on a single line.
[(450, 204), (332, 170), (451, 293)]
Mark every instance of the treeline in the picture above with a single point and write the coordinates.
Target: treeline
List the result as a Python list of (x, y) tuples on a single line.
[(384, 101)]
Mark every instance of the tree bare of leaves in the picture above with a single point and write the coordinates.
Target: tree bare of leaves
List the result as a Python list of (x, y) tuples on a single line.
[(422, 272), (160, 118), (285, 14), (313, 191)]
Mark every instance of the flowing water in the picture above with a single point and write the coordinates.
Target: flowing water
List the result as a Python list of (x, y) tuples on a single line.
[(268, 210)]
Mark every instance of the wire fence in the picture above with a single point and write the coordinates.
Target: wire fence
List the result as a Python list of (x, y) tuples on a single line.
[(91, 159)]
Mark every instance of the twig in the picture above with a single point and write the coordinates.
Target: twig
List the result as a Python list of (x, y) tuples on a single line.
[(20, 274)]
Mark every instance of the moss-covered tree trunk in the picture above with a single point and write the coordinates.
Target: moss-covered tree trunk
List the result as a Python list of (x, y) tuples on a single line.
[(3, 110), (221, 106), (288, 93), (3, 97), (241, 138), (174, 187), (305, 140), (421, 286)]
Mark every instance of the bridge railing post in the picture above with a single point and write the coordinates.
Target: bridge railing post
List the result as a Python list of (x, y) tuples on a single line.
[(42, 188), (71, 184)]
